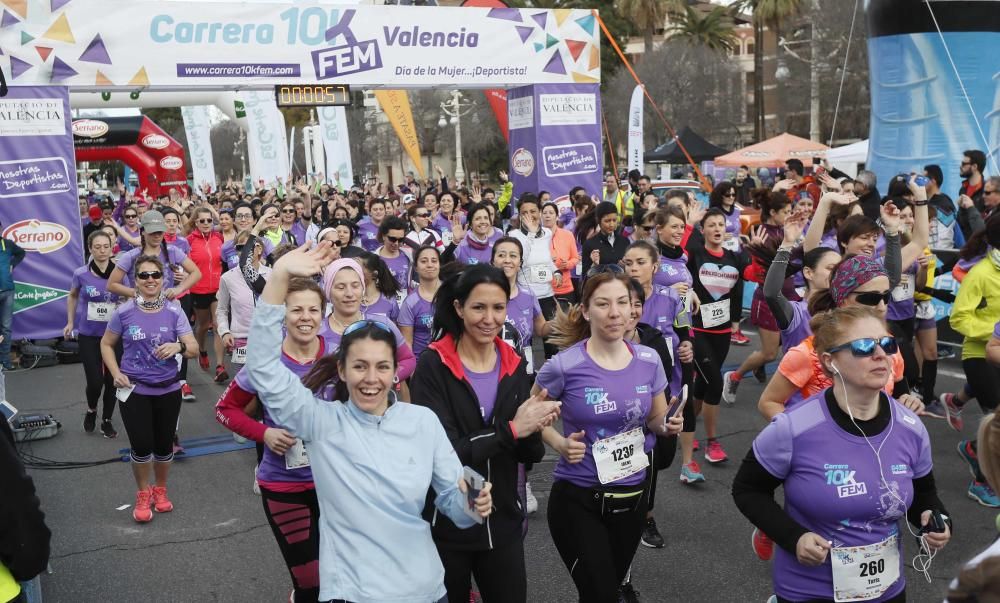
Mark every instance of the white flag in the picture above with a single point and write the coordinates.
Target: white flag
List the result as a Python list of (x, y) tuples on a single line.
[(267, 142), (635, 150), (199, 138), (336, 144)]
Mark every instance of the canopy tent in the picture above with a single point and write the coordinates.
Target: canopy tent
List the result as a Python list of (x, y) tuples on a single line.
[(670, 152), (774, 152), (847, 158)]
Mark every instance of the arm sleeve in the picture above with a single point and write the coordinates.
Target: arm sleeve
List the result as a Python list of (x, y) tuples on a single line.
[(222, 309), (444, 481), (773, 283), (753, 492), (406, 362), (893, 260), (970, 221), (229, 412), (925, 498)]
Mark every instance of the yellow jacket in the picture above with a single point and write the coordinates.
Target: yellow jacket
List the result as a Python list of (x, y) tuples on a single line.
[(977, 308)]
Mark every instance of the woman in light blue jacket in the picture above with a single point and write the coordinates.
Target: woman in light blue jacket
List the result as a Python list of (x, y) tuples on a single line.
[(373, 458)]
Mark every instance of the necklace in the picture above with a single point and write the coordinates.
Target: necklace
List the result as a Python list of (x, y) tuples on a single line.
[(151, 306), (342, 326)]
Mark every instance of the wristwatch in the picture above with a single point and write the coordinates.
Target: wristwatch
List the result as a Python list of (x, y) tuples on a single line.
[(184, 348)]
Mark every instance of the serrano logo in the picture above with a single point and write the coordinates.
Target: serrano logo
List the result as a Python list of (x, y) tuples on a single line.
[(171, 163), (523, 162), (90, 128), (155, 141), (37, 236)]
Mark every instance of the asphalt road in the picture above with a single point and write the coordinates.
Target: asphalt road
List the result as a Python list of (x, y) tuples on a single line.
[(217, 546)]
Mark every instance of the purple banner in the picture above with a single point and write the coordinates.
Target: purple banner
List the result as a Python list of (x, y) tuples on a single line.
[(38, 205), (555, 138)]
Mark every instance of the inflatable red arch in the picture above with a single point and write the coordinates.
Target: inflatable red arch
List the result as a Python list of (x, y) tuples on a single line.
[(157, 159)]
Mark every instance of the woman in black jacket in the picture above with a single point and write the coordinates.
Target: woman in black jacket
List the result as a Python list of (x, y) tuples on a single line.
[(479, 389)]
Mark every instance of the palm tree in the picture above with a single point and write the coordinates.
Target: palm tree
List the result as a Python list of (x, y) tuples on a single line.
[(768, 13), (713, 30), (647, 16)]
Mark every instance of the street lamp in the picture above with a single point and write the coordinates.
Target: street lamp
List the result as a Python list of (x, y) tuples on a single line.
[(454, 109)]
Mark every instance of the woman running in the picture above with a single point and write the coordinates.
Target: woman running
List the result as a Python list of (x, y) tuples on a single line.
[(391, 234), (416, 315), (524, 314), (236, 303), (381, 287), (478, 387), (613, 403), (421, 234), (538, 270), (565, 255), (283, 474), (153, 331), (374, 544), (206, 253), (838, 533), (88, 309)]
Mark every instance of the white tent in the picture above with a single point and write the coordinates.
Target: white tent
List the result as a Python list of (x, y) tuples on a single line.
[(847, 158)]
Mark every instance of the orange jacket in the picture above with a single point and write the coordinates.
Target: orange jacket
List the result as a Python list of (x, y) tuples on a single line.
[(566, 257)]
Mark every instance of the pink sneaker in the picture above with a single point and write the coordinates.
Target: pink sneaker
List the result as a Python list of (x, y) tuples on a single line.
[(142, 513), (715, 453), (762, 545), (161, 503), (953, 412)]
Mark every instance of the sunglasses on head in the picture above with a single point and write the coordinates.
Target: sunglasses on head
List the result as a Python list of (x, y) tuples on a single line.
[(872, 298), (864, 347), (145, 276), (394, 239), (367, 322)]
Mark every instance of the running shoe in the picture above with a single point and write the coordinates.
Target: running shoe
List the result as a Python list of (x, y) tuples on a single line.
[(761, 374), (969, 456), (90, 421), (627, 593), (186, 394), (715, 453), (695, 446), (738, 338), (729, 386), (142, 513), (651, 536), (531, 503), (936, 409), (762, 545), (203, 360), (221, 376), (161, 503), (983, 494), (108, 430), (691, 473), (945, 352), (953, 412)]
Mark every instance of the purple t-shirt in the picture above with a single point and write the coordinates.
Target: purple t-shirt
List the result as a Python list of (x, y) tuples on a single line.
[(996, 330), (485, 386), (368, 235), (833, 486), (141, 333), (602, 402), (418, 313), (662, 308), (232, 257), (383, 305), (126, 262), (901, 304), (469, 253), (798, 328), (93, 290), (124, 245), (180, 243), (672, 272), (399, 266), (519, 327), (333, 338)]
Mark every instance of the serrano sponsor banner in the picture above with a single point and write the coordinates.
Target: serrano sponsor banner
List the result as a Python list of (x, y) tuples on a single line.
[(160, 43), (38, 205), (555, 138)]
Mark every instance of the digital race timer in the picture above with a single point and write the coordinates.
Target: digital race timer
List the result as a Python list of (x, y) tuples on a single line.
[(312, 95)]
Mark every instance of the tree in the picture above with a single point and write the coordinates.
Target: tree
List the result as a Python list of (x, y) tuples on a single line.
[(713, 30), (647, 16), (766, 13)]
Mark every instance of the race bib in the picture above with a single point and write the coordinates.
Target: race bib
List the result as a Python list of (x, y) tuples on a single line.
[(296, 457), (905, 289), (620, 456), (732, 244), (861, 573), (529, 355), (401, 296), (100, 311), (925, 310), (539, 274), (447, 237), (715, 314), (240, 352), (579, 269)]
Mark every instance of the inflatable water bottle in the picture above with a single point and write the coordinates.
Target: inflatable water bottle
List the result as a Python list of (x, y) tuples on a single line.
[(935, 85)]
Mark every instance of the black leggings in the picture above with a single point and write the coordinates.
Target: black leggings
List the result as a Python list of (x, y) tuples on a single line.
[(98, 378), (660, 457), (294, 520), (903, 331), (984, 380), (595, 543), (150, 422), (187, 304), (500, 573), (549, 305), (710, 351)]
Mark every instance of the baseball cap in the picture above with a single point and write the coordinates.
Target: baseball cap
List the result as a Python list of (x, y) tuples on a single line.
[(95, 212), (152, 221), (408, 199)]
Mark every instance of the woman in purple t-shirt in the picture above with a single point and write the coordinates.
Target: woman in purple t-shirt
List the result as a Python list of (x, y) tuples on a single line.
[(613, 403), (416, 315), (154, 332), (391, 234), (524, 313), (476, 246), (381, 287), (853, 462)]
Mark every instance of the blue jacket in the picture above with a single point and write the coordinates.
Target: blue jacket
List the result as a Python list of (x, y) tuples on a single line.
[(372, 474), (10, 256)]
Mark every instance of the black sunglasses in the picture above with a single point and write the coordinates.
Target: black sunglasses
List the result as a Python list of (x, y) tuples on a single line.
[(864, 347), (244, 216), (127, 216), (144, 276), (206, 221), (288, 211), (421, 215), (872, 298), (394, 239), (730, 194)]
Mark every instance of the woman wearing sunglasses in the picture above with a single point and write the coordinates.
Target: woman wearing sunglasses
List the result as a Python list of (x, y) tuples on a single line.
[(243, 221), (289, 223), (283, 474), (421, 234), (236, 303), (153, 331), (477, 386), (853, 463), (613, 404), (128, 231), (206, 253), (373, 459), (391, 234), (269, 226), (346, 230), (416, 315)]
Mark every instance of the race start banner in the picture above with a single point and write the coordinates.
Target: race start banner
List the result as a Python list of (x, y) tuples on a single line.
[(38, 205), (159, 44), (555, 138)]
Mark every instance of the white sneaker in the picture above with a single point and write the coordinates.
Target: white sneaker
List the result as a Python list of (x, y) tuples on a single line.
[(530, 498), (729, 386)]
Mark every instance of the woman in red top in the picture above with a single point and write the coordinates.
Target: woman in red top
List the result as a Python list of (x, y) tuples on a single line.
[(206, 253)]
